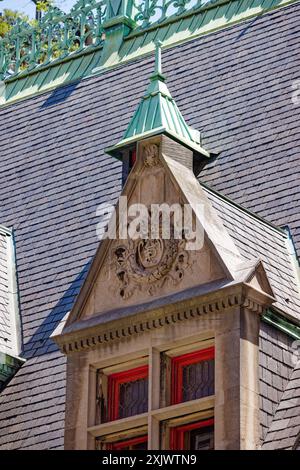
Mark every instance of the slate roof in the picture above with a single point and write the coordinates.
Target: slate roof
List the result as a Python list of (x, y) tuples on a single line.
[(233, 85), (257, 239), (275, 369), (285, 427)]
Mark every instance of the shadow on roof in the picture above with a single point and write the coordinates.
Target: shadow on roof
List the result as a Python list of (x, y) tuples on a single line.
[(59, 95), (40, 342)]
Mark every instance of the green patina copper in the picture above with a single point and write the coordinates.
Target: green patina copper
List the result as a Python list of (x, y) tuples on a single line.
[(120, 11), (66, 48), (158, 113), (9, 365), (55, 36), (282, 323)]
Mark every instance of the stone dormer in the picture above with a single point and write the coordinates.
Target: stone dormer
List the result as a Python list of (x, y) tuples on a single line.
[(174, 320)]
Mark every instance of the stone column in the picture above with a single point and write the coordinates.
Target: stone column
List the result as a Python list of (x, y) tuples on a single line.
[(236, 381), (77, 400)]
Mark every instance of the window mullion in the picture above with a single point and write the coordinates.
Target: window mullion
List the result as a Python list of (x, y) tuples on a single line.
[(154, 397)]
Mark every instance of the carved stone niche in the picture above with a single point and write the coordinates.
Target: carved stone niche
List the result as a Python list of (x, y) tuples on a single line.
[(151, 155)]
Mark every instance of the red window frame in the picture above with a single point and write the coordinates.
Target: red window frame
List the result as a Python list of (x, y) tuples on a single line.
[(177, 365), (114, 382), (177, 434), (129, 442)]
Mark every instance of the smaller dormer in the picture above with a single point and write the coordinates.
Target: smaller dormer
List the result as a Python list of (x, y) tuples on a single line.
[(10, 330), (157, 114)]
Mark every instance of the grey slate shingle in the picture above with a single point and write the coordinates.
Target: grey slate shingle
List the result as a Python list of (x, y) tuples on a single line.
[(255, 239), (283, 432), (273, 383), (233, 85)]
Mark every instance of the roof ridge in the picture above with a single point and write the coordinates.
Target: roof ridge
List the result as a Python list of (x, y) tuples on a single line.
[(56, 65)]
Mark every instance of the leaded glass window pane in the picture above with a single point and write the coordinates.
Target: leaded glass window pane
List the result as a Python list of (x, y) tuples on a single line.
[(198, 380), (133, 398)]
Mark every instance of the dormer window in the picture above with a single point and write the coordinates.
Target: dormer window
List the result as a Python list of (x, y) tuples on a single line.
[(193, 436), (192, 375), (122, 392), (181, 379), (127, 393)]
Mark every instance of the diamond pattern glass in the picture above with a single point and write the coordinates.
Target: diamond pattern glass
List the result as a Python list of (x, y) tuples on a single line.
[(133, 398), (198, 380)]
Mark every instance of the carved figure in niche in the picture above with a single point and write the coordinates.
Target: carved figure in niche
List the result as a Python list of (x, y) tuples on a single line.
[(151, 155)]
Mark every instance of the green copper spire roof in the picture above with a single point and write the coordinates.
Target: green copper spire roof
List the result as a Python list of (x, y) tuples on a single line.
[(158, 113)]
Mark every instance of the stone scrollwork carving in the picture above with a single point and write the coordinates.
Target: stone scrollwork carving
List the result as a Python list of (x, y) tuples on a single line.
[(147, 264)]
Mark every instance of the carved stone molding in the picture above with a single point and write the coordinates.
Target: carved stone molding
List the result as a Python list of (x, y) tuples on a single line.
[(147, 321), (253, 305)]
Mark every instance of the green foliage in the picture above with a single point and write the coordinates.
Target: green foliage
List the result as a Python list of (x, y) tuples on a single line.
[(43, 5), (8, 20), (29, 42), (9, 17)]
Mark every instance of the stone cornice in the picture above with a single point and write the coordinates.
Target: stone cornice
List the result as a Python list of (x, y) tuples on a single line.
[(216, 302)]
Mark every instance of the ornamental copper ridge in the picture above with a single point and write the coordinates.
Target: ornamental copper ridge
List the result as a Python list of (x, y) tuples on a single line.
[(58, 34)]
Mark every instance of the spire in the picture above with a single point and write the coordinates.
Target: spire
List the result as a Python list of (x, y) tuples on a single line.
[(157, 74), (158, 113)]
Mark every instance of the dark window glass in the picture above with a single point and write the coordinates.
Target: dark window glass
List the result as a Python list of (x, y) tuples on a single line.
[(198, 380), (193, 436), (133, 398), (202, 439), (141, 446)]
